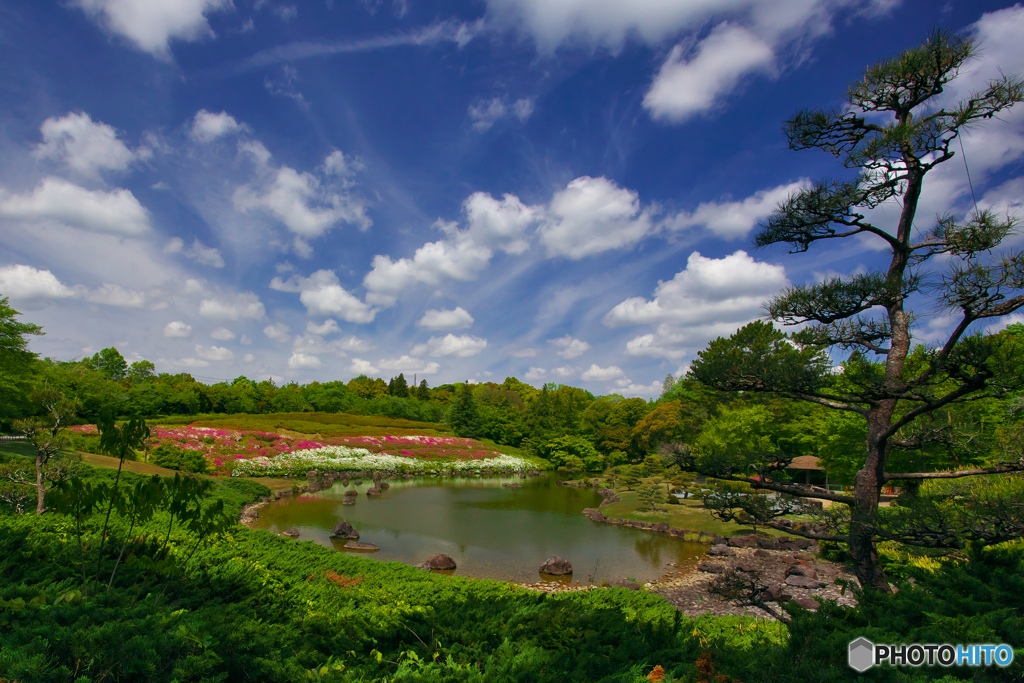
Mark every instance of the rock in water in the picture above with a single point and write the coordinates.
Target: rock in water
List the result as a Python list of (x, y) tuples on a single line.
[(373, 491), (348, 500), (359, 545), (556, 565), (383, 486), (291, 533), (353, 492), (440, 561), (344, 530), (423, 565)]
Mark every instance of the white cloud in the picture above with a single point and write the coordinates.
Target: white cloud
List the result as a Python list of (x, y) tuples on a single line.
[(22, 282), (491, 225), (409, 365), (1004, 322), (446, 320), (117, 212), (26, 282), (329, 326), (362, 367), (564, 372), (607, 22), (306, 204), (322, 294), (535, 373), (245, 340), (571, 348), (198, 252), (462, 346), (524, 353), (523, 109), (726, 289), (484, 114), (656, 346), (150, 25), (84, 145), (734, 220), (248, 358), (207, 126), (214, 353), (301, 361), (690, 84), (114, 295), (222, 334), (279, 332), (599, 374), (177, 328), (244, 305), (193, 363), (592, 215), (628, 388)]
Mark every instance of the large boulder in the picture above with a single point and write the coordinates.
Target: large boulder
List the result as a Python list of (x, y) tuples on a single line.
[(352, 492), (594, 515), (556, 565), (624, 583), (807, 603), (747, 567), (799, 569), (766, 543), (743, 542), (348, 500), (711, 567), (359, 545), (762, 553), (440, 561), (804, 582), (383, 486), (663, 527), (721, 550), (291, 532), (373, 491), (344, 530)]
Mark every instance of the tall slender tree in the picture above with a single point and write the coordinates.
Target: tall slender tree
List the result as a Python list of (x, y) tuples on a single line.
[(893, 129)]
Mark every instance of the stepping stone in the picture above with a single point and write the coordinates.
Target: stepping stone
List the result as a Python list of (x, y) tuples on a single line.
[(359, 545)]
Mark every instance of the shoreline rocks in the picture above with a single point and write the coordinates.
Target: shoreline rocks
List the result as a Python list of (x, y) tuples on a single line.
[(440, 561), (344, 530), (359, 545)]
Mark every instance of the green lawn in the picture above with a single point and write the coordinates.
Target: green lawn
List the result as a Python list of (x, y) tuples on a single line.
[(689, 514)]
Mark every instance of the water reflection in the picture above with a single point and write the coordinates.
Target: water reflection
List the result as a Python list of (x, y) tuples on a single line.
[(488, 529)]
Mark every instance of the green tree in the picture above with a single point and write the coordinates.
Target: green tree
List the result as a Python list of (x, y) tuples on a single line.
[(423, 391), (629, 477), (15, 359), (650, 494), (891, 131), (47, 436), (463, 416), (110, 364)]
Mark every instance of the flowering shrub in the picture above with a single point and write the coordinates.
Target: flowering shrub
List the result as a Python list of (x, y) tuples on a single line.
[(343, 459), (258, 453)]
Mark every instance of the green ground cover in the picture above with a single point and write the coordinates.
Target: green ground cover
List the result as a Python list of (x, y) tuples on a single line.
[(253, 606), (310, 423)]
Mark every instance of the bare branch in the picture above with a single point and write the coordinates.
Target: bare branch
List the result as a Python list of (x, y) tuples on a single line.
[(957, 474)]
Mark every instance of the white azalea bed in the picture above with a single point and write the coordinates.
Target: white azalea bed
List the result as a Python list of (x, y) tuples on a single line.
[(344, 459)]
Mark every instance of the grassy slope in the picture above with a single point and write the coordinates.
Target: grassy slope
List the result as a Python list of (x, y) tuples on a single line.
[(689, 514), (324, 424)]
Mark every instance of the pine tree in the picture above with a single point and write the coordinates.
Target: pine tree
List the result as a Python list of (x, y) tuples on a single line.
[(423, 391), (463, 416), (891, 130), (400, 388)]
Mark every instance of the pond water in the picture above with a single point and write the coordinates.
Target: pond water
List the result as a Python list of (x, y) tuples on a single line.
[(489, 530)]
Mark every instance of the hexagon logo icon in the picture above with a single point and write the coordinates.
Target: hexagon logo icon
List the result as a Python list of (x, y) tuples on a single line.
[(861, 655)]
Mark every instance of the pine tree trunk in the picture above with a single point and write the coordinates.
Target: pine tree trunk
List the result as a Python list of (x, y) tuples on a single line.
[(867, 492), (40, 489)]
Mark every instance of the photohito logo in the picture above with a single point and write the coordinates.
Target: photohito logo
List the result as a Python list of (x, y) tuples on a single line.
[(863, 654)]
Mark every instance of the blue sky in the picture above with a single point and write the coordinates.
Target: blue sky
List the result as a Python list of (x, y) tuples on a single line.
[(559, 190)]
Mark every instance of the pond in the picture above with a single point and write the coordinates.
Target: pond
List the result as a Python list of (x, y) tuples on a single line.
[(489, 530)]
